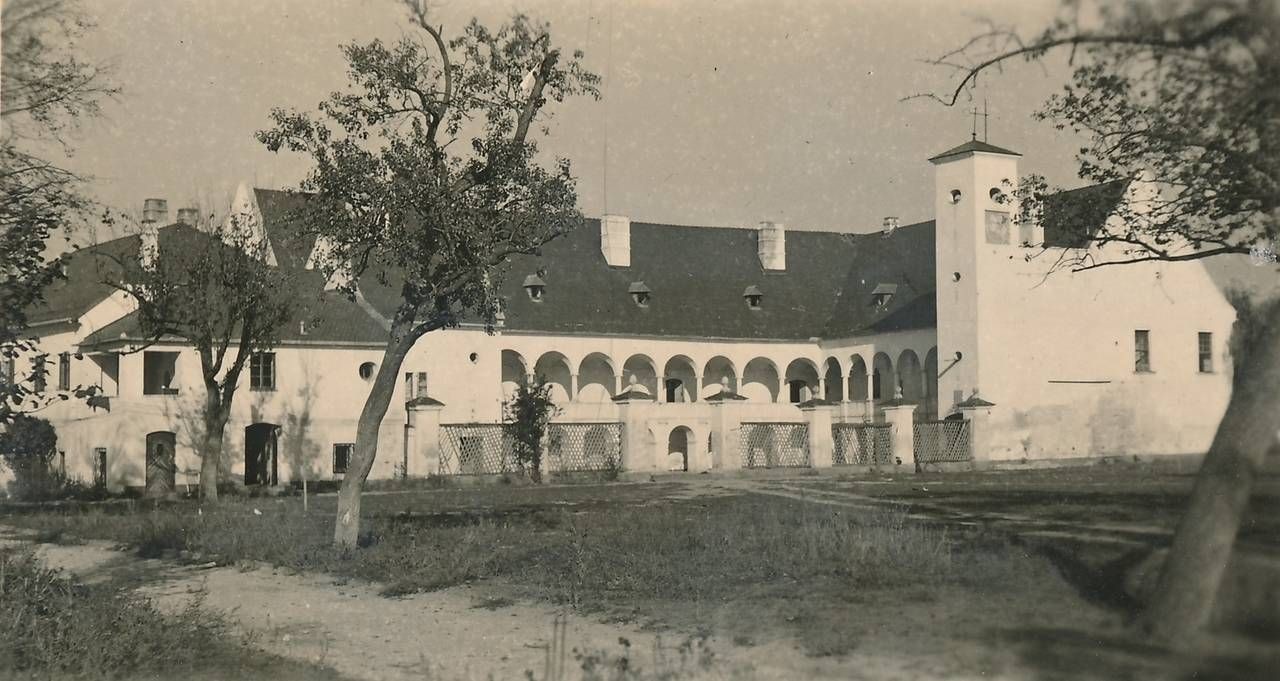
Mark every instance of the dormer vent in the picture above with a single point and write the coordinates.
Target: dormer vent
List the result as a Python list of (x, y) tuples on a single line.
[(754, 297), (890, 225), (535, 287), (882, 295), (772, 242), (640, 293), (615, 240)]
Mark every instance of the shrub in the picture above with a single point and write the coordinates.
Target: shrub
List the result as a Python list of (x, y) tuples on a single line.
[(529, 413), (28, 447)]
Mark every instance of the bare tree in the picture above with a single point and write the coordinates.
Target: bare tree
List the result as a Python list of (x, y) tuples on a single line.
[(46, 90), (404, 193), (1185, 95)]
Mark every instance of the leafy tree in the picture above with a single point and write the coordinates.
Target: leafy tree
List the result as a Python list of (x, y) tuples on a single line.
[(216, 291), (1185, 95), (45, 92), (427, 175), (529, 413), (27, 447)]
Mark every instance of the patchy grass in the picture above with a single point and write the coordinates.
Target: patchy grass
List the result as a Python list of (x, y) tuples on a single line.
[(55, 628)]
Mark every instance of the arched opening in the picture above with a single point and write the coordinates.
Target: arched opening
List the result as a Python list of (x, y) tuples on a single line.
[(261, 443), (679, 445), (931, 384), (910, 377), (645, 372), (681, 379), (596, 379), (760, 380), (514, 371), (858, 379), (802, 380), (554, 368), (717, 374), (882, 379), (160, 476), (834, 379)]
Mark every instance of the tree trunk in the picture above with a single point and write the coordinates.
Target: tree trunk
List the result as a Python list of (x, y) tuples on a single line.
[(215, 425), (346, 530), (1184, 597)]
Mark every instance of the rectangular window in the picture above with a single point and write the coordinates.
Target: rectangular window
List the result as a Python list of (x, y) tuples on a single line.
[(99, 467), (342, 457), (64, 371), (159, 369), (997, 227), (1142, 351), (421, 390), (262, 371), (1205, 342)]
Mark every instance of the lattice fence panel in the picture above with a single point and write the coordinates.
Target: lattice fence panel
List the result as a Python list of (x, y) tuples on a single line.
[(942, 441), (862, 443), (476, 449), (775, 445), (584, 447)]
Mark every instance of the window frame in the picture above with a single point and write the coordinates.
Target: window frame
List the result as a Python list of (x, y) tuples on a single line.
[(350, 448), (1142, 351), (1006, 224), (1204, 352), (64, 371), (256, 371)]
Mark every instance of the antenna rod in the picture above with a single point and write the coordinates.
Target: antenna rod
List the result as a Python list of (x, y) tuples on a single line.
[(984, 119)]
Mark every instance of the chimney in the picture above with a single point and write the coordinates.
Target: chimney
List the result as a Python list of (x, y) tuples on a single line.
[(155, 211), (772, 242), (189, 216), (890, 225), (615, 240)]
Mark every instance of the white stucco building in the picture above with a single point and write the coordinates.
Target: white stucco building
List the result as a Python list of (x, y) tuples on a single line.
[(698, 348)]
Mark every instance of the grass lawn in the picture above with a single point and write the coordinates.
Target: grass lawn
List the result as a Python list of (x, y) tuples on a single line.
[(749, 568)]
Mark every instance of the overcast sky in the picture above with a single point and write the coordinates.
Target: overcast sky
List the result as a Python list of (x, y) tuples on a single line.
[(719, 113)]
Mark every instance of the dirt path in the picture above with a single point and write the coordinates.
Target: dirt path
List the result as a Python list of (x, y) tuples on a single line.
[(447, 635)]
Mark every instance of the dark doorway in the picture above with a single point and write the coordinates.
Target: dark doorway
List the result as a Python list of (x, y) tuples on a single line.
[(678, 448), (675, 390), (260, 446), (161, 465)]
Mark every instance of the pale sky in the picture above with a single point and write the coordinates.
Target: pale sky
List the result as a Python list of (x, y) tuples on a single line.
[(717, 113)]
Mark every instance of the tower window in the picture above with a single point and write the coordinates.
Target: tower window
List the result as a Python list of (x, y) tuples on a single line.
[(754, 297), (535, 287), (64, 371), (1205, 343), (1142, 351), (882, 295)]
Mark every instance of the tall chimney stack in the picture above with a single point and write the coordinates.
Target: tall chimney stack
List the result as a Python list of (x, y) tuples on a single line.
[(189, 216), (772, 245), (155, 211)]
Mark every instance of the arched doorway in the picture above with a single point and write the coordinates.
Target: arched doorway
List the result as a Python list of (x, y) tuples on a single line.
[(718, 374), (642, 368), (261, 443), (554, 367), (161, 464), (910, 376), (681, 379), (858, 379), (597, 381), (883, 381), (760, 380), (679, 444), (802, 380), (834, 380)]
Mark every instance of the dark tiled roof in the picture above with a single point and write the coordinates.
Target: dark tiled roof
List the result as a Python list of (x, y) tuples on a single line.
[(697, 276), (281, 217), (1072, 217), (84, 285), (972, 146), (1255, 277)]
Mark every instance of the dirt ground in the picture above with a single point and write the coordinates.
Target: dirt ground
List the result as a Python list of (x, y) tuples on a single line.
[(487, 630)]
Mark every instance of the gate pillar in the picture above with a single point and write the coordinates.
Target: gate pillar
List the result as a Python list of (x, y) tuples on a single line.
[(818, 415), (977, 412), (422, 437), (901, 420)]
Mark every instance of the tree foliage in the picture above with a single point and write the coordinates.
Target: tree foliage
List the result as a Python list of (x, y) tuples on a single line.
[(428, 178), (529, 414), (1182, 95), (46, 91), (27, 447), (216, 291)]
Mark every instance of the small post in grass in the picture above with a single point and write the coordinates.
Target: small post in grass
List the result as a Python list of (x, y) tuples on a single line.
[(304, 492)]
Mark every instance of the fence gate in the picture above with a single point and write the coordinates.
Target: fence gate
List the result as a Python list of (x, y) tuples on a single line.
[(476, 449), (862, 443), (584, 447), (775, 445), (942, 441)]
